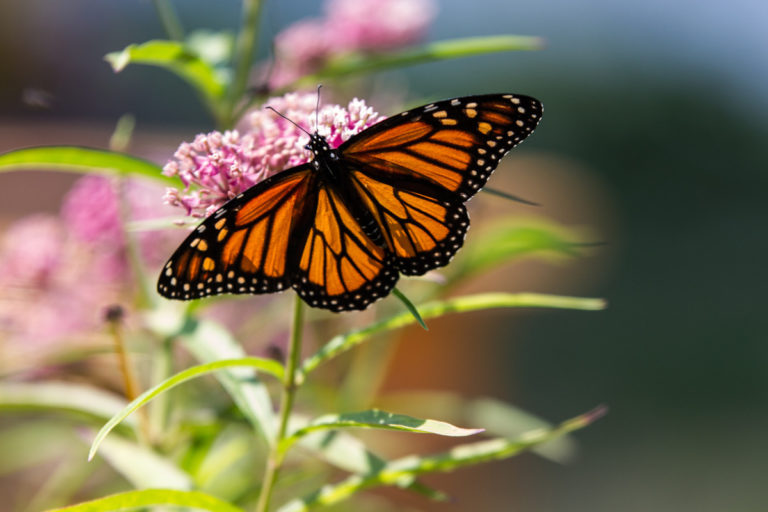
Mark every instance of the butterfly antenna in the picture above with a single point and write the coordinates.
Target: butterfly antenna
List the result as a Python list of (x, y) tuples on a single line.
[(317, 108), (289, 120)]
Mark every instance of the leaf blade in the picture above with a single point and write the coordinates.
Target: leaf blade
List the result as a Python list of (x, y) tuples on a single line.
[(81, 160), (375, 418), (151, 497), (351, 64), (344, 342), (267, 365), (181, 60), (459, 456)]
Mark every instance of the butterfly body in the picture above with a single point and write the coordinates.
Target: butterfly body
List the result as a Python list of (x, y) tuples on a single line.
[(341, 228)]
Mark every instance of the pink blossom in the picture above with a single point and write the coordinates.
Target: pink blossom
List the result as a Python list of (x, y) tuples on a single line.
[(375, 25), (52, 284), (221, 166), (367, 26), (92, 211)]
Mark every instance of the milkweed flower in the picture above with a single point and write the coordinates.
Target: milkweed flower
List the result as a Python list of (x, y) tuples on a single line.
[(58, 273), (51, 284), (366, 26), (375, 25), (216, 166)]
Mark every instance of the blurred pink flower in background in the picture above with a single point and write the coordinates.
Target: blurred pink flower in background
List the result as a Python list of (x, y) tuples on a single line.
[(58, 274), (52, 285), (222, 166), (376, 25), (348, 26)]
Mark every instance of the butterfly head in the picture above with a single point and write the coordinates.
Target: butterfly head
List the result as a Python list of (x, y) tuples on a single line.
[(317, 144), (321, 150)]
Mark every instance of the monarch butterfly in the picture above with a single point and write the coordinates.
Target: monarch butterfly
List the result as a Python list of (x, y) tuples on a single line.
[(341, 228)]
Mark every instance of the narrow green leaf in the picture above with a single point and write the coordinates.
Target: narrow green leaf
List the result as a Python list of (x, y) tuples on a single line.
[(375, 418), (507, 195), (142, 467), (82, 160), (409, 305), (214, 47), (209, 341), (497, 417), (153, 497), (178, 58), (344, 342), (350, 454), (266, 365), (459, 456), (60, 397), (25, 444), (359, 63), (513, 239)]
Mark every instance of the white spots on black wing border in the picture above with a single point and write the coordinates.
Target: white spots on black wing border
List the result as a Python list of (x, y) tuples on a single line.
[(495, 146), (359, 299), (457, 221)]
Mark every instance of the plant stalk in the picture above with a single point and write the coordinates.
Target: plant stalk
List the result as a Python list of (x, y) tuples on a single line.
[(276, 454), (244, 51), (114, 318), (169, 20)]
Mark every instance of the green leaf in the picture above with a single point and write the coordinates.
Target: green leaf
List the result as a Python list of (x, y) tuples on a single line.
[(142, 467), (209, 341), (266, 365), (497, 417), (344, 342), (28, 443), (411, 308), (379, 419), (359, 63), (213, 47), (83, 160), (459, 456), (180, 59), (60, 397), (153, 497), (350, 454), (514, 239)]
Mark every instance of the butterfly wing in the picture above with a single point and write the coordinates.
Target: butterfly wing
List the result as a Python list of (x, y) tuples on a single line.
[(245, 246), (414, 171), (340, 267), (455, 144)]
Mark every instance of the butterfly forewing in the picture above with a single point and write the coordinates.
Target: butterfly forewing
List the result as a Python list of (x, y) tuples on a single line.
[(455, 144), (244, 246)]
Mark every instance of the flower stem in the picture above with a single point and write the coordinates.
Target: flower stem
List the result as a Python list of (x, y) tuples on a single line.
[(114, 317), (276, 455), (169, 19), (244, 51)]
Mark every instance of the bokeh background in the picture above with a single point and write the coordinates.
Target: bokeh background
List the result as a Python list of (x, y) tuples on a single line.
[(653, 138)]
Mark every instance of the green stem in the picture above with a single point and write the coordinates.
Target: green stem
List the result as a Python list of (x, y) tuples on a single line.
[(277, 453), (169, 19), (244, 51)]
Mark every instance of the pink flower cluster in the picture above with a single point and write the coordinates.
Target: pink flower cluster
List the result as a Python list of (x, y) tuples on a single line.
[(59, 273), (216, 166), (52, 285), (348, 26)]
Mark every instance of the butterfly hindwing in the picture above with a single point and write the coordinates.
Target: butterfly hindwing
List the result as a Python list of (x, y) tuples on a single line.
[(455, 143), (340, 267), (244, 246), (422, 226)]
